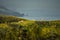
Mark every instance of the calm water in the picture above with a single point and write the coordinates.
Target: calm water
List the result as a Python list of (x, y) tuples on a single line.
[(41, 18)]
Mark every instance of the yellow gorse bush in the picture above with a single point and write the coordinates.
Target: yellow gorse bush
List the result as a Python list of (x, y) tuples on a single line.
[(12, 28), (3, 26)]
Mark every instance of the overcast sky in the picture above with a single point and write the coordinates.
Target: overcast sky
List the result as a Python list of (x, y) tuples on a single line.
[(35, 9)]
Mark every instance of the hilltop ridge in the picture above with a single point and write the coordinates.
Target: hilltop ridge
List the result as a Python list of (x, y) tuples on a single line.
[(6, 11)]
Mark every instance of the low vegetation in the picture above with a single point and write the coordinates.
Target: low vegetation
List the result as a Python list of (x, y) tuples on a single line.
[(13, 28)]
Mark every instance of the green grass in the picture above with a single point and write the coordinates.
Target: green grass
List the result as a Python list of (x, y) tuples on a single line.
[(14, 28)]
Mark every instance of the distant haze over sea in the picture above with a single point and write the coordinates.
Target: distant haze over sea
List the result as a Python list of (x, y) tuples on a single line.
[(35, 9)]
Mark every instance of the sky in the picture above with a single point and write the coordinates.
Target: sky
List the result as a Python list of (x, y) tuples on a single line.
[(35, 9)]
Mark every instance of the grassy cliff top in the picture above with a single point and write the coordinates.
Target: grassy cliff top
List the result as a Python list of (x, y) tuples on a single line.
[(14, 28)]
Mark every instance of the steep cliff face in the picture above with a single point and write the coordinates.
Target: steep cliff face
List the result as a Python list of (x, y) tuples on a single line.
[(5, 11)]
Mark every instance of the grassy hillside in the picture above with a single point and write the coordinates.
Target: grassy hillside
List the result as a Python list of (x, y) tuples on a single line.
[(13, 28)]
